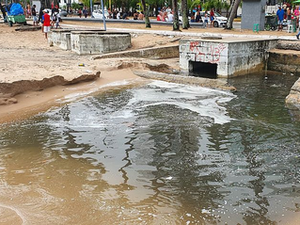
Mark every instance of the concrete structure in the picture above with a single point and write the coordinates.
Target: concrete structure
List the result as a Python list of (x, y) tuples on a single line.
[(253, 13), (163, 52), (61, 38), (85, 42), (224, 57)]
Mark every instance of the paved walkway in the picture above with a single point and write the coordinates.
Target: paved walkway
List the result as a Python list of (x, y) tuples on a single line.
[(191, 34)]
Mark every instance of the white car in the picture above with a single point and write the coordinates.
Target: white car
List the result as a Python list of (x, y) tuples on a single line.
[(99, 15), (219, 20)]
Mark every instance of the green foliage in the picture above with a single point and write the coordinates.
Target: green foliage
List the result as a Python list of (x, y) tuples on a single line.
[(194, 4), (76, 6), (133, 3), (86, 3), (141, 8), (216, 4)]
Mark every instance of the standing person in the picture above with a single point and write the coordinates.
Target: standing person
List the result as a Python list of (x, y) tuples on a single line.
[(53, 11), (47, 24), (79, 13), (280, 16), (56, 19), (42, 22), (34, 17), (198, 16), (211, 16), (205, 19), (28, 11), (85, 12), (289, 16), (296, 14)]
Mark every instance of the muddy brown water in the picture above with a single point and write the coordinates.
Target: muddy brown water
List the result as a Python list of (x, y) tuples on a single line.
[(158, 154)]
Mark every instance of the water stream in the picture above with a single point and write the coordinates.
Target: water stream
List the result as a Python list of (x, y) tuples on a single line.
[(158, 154)]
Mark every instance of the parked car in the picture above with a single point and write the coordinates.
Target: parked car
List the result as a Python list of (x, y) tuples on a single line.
[(63, 13), (99, 15), (219, 20)]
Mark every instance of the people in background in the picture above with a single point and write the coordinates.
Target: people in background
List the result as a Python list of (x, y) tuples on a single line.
[(280, 17), (47, 24), (85, 12), (170, 17), (296, 14), (205, 19), (34, 17), (28, 11), (141, 16), (197, 16), (53, 11), (289, 15), (211, 16), (135, 16)]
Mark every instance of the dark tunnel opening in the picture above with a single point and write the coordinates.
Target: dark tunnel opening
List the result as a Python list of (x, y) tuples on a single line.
[(203, 69)]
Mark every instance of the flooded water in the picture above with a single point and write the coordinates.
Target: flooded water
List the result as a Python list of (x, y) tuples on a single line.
[(158, 154)]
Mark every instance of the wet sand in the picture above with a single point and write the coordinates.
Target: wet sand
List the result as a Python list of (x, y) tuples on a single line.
[(33, 102), (26, 56)]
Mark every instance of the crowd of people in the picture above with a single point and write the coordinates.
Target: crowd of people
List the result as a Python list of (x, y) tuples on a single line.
[(286, 12), (51, 18), (48, 20), (197, 15)]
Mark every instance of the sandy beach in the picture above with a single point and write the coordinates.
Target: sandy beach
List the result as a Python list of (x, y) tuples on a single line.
[(27, 56)]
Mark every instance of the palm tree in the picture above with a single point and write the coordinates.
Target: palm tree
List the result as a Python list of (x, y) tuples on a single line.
[(232, 12), (184, 13), (146, 11), (176, 20)]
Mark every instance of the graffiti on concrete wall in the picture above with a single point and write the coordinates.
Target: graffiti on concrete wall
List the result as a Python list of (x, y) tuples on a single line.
[(211, 56)]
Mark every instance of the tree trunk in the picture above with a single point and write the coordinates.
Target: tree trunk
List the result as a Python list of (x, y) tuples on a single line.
[(176, 19), (232, 12), (146, 11), (45, 4), (184, 12)]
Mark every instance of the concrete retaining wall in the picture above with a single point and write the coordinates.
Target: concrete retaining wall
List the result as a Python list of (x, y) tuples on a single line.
[(163, 52), (61, 38), (90, 42), (233, 57), (284, 61)]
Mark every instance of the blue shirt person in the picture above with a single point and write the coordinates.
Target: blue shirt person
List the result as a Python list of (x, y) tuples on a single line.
[(280, 16)]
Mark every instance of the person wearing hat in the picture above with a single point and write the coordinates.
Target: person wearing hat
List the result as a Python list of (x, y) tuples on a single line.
[(47, 24)]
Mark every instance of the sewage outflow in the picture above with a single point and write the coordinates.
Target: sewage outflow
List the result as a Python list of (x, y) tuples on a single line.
[(158, 154)]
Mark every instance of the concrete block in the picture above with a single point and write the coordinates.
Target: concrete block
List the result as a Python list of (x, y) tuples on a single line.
[(231, 56)]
